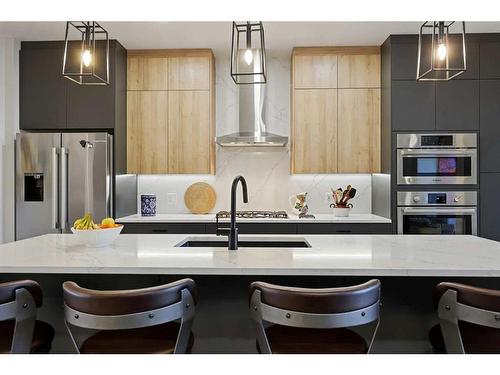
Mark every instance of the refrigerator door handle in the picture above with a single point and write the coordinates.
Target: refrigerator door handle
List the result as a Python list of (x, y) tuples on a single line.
[(64, 188), (54, 160)]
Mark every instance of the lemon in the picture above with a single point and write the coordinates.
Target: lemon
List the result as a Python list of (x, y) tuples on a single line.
[(107, 222)]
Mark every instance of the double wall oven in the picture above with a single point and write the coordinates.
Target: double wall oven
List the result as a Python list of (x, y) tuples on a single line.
[(424, 163), (431, 212), (437, 159)]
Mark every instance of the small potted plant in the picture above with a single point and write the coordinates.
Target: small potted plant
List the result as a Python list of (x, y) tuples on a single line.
[(341, 205)]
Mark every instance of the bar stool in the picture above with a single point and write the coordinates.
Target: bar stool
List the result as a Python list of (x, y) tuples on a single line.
[(20, 332), (469, 319), (313, 320), (149, 320)]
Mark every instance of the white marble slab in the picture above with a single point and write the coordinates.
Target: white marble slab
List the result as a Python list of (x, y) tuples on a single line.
[(373, 255), (319, 218)]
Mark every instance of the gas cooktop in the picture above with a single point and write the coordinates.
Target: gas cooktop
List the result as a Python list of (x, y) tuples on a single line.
[(254, 214)]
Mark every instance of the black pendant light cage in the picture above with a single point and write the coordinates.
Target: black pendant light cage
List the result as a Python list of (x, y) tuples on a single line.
[(432, 36), (94, 39), (248, 36)]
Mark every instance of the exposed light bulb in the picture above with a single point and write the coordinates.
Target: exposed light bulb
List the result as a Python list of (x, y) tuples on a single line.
[(441, 51), (86, 58), (248, 56)]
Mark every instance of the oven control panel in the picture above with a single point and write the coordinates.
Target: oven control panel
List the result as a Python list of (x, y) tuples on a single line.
[(437, 198)]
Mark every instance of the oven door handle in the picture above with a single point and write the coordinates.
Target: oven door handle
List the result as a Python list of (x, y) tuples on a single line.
[(438, 210), (434, 152)]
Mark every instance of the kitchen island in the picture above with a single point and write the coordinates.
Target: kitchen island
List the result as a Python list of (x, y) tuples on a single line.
[(328, 255), (409, 267)]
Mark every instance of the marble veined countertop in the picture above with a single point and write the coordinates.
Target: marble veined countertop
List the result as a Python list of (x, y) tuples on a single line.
[(319, 218), (356, 255)]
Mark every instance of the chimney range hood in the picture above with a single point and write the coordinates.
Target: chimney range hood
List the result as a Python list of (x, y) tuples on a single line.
[(252, 127)]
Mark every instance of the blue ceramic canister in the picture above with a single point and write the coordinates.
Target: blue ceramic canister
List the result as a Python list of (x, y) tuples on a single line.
[(148, 205)]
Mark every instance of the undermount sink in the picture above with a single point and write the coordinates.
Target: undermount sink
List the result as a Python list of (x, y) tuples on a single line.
[(281, 242)]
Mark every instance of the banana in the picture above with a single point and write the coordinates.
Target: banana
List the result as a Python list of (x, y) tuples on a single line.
[(85, 223)]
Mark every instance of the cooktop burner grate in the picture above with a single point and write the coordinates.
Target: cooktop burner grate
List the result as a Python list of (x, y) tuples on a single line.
[(254, 214)]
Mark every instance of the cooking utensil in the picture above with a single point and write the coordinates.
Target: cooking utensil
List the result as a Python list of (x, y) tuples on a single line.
[(200, 198)]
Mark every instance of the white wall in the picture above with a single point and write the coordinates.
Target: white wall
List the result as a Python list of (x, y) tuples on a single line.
[(9, 126), (267, 172)]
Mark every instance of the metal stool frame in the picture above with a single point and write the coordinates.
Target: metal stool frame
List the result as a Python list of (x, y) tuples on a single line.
[(184, 310)]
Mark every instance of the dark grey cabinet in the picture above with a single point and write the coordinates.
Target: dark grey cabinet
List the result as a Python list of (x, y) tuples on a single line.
[(164, 228), (457, 105), (49, 101), (413, 105), (489, 134), (327, 228), (490, 60), (404, 57), (92, 107), (489, 206), (404, 61), (42, 88), (259, 228)]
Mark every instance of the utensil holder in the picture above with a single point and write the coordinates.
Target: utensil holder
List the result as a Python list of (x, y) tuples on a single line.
[(341, 211)]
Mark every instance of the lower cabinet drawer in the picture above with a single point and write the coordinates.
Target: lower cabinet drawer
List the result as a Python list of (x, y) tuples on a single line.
[(170, 228), (361, 228), (257, 228)]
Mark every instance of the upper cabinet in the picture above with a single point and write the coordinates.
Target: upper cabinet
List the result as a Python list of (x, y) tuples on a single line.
[(314, 71), (314, 131), (404, 54), (189, 73), (359, 131), (171, 117), (147, 119), (42, 88), (490, 60), (359, 71), (49, 101), (147, 73), (335, 110)]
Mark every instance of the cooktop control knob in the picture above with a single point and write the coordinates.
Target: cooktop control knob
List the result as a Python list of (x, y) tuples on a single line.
[(457, 198), (416, 199)]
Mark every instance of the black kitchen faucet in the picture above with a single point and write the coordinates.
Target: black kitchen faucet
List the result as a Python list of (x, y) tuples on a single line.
[(232, 231)]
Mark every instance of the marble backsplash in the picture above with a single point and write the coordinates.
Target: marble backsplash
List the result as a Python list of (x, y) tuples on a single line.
[(269, 184), (266, 171)]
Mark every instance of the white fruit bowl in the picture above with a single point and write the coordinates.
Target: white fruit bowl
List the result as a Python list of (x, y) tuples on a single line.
[(97, 237)]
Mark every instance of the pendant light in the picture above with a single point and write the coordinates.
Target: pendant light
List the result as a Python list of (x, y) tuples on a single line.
[(441, 52), (248, 53), (86, 53)]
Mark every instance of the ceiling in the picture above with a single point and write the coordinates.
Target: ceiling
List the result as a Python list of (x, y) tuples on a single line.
[(281, 37)]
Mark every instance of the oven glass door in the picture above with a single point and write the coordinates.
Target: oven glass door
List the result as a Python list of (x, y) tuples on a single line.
[(443, 167), (437, 221)]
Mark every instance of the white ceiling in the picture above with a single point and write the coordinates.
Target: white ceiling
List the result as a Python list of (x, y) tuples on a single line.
[(280, 36)]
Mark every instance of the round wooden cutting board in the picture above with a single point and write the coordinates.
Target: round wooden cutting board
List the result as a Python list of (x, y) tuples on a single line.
[(200, 198)]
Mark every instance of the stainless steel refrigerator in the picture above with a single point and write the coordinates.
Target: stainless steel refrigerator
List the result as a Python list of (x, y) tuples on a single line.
[(60, 177)]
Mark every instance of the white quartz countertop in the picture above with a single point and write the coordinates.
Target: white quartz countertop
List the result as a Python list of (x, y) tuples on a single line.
[(319, 218), (373, 255)]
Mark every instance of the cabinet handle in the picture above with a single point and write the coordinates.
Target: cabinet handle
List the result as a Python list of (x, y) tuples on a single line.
[(160, 230), (343, 231)]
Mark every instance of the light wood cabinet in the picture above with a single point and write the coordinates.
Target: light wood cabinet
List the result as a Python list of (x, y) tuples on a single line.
[(189, 73), (359, 71), (314, 148), (147, 73), (189, 130), (171, 116), (335, 110), (315, 71), (147, 145), (359, 131)]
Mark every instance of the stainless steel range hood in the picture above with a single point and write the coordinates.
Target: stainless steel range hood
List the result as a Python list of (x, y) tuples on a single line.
[(252, 125)]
